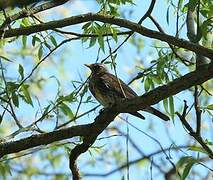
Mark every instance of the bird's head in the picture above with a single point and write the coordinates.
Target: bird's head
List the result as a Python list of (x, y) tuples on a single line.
[(97, 68)]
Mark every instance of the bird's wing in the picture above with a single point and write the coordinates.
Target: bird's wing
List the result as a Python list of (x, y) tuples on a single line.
[(113, 84)]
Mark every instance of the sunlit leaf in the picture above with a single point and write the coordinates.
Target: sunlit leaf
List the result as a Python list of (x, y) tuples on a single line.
[(92, 41), (167, 15), (35, 39), (101, 43), (146, 84), (66, 110), (187, 169), (24, 41), (198, 149), (26, 94), (165, 104), (171, 106), (21, 71), (53, 40), (15, 99), (210, 107), (40, 52)]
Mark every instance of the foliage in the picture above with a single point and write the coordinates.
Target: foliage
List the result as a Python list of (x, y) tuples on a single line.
[(43, 89)]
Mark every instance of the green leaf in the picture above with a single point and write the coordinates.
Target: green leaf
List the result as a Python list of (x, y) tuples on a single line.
[(92, 41), (53, 40), (69, 98), (15, 99), (210, 107), (188, 161), (45, 113), (171, 106), (182, 160), (21, 71), (165, 104), (11, 86), (167, 15), (114, 34), (66, 110), (46, 109), (5, 170), (192, 4), (47, 45), (27, 97), (40, 52), (25, 22), (24, 41), (156, 79), (210, 143), (187, 169), (85, 26), (146, 84), (198, 149), (101, 43), (35, 39)]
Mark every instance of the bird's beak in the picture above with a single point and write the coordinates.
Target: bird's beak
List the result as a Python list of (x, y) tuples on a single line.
[(88, 65)]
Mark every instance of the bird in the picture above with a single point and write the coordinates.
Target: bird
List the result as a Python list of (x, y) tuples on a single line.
[(108, 89)]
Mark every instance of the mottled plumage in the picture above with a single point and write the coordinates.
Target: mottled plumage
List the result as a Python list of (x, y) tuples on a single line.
[(108, 89)]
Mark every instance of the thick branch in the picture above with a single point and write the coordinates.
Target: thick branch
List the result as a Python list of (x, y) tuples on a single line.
[(26, 12), (111, 20), (43, 139), (17, 3), (199, 76)]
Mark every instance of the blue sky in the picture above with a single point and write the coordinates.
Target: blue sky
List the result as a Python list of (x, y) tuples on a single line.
[(78, 54)]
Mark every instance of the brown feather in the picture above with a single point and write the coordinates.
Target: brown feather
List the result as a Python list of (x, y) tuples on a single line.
[(108, 89)]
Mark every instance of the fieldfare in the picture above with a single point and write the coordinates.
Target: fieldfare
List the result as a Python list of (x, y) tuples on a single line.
[(108, 89)]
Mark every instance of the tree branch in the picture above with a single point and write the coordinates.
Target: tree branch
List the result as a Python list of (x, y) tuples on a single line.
[(91, 131), (199, 76), (111, 20), (193, 133), (26, 13)]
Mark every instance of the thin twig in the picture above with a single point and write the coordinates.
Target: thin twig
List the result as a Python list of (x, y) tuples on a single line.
[(192, 132), (149, 11)]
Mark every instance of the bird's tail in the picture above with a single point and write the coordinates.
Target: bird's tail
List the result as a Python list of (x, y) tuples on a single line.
[(157, 113), (137, 115)]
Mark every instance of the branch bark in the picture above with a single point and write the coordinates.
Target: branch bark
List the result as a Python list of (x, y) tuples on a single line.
[(111, 20), (199, 76), (17, 3)]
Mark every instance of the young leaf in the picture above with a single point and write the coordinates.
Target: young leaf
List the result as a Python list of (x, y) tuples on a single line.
[(27, 97), (146, 84), (24, 41), (35, 39), (187, 169), (21, 71), (171, 106), (167, 15), (210, 107), (85, 26), (12, 86), (198, 149), (66, 110), (40, 52), (53, 40), (15, 99), (47, 45), (165, 104), (101, 43), (92, 41)]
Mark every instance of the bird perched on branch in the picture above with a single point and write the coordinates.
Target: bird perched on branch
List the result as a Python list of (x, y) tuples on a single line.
[(108, 89)]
